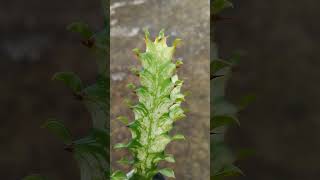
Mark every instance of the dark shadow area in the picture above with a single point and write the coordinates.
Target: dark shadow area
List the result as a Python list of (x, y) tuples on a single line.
[(281, 67), (34, 44)]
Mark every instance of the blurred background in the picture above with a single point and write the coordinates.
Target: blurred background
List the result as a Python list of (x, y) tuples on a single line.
[(34, 44), (281, 67), (183, 19)]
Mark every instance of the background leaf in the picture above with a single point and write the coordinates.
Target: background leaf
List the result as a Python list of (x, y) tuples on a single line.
[(217, 65), (229, 170), (70, 79), (34, 177), (245, 101), (59, 130), (81, 28), (219, 5), (223, 120)]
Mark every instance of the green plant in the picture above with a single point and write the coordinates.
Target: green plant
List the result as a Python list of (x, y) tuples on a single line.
[(223, 112), (91, 152), (158, 108)]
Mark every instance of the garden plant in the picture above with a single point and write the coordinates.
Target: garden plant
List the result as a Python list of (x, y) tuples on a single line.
[(223, 112), (90, 152), (158, 107)]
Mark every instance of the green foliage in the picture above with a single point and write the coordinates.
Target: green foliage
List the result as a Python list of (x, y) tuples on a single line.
[(158, 108), (92, 151), (219, 5), (34, 177), (217, 65), (223, 112), (81, 28), (167, 172), (223, 120), (118, 175), (59, 130), (70, 79), (228, 170)]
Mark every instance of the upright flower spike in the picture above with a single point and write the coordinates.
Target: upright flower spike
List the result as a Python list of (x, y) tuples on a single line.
[(158, 108)]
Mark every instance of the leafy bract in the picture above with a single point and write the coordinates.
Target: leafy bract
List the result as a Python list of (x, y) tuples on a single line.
[(167, 172)]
